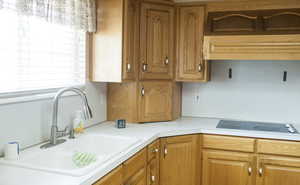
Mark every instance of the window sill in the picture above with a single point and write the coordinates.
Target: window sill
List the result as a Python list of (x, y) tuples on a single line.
[(33, 97)]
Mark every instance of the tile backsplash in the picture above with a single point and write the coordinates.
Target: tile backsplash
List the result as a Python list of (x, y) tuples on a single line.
[(256, 92)]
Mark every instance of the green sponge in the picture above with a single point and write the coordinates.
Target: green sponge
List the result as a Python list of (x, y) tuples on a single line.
[(82, 159)]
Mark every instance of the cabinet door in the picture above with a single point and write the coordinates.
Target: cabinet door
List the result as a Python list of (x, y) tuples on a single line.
[(227, 168), (180, 160), (278, 170), (131, 39), (113, 178), (233, 23), (140, 178), (191, 65), (156, 41), (153, 172), (153, 163), (155, 102)]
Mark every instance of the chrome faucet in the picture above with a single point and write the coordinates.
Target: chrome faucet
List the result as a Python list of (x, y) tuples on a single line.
[(87, 113)]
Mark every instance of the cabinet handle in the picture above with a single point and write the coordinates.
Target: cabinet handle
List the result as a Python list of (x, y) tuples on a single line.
[(144, 68), (155, 150), (152, 178), (166, 61), (143, 91), (128, 67), (165, 152), (260, 172), (200, 67), (249, 171)]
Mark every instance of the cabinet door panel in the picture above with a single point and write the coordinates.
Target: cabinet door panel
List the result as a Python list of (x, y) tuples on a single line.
[(227, 168), (140, 178), (278, 171), (131, 42), (180, 160), (155, 101), (156, 41), (191, 65)]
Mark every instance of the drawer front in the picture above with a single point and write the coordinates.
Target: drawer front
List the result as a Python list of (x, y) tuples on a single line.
[(134, 164), (153, 150), (228, 143), (289, 148)]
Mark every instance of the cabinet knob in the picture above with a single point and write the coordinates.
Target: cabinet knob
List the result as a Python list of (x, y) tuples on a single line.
[(143, 91), (144, 67), (200, 67), (152, 178), (128, 67), (155, 150), (166, 61), (250, 171), (260, 172)]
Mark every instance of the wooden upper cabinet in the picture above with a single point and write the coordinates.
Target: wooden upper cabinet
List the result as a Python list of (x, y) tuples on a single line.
[(180, 160), (274, 170), (190, 62), (228, 168), (155, 101), (282, 21), (115, 177), (146, 101), (131, 39), (156, 41), (232, 23), (114, 47), (252, 47), (262, 22)]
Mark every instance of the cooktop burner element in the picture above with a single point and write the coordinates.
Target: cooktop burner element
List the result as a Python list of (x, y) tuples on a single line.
[(257, 126)]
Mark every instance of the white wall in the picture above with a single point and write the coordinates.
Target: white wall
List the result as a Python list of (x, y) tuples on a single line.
[(29, 122), (256, 92)]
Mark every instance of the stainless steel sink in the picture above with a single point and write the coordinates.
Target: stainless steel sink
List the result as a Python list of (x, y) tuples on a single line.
[(258, 126)]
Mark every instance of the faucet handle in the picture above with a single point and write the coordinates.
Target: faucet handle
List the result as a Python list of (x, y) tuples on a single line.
[(61, 133)]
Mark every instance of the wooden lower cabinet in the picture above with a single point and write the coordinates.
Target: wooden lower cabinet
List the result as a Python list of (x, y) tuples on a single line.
[(115, 177), (227, 168), (274, 170), (148, 101), (139, 178), (180, 160), (177, 161), (153, 163)]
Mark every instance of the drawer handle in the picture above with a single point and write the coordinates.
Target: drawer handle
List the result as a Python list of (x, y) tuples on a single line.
[(260, 172), (249, 171)]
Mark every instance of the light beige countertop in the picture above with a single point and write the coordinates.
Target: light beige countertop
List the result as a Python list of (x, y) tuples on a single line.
[(147, 133)]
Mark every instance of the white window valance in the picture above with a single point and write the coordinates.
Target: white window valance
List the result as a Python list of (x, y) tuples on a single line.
[(80, 14)]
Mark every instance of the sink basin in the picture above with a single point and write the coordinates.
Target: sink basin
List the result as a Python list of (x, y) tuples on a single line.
[(58, 159)]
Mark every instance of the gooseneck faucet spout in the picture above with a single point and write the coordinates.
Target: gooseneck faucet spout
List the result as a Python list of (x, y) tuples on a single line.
[(54, 128)]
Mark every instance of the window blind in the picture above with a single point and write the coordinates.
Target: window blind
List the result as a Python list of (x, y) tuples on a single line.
[(36, 54)]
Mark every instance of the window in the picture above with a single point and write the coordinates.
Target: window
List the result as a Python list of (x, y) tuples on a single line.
[(38, 55)]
